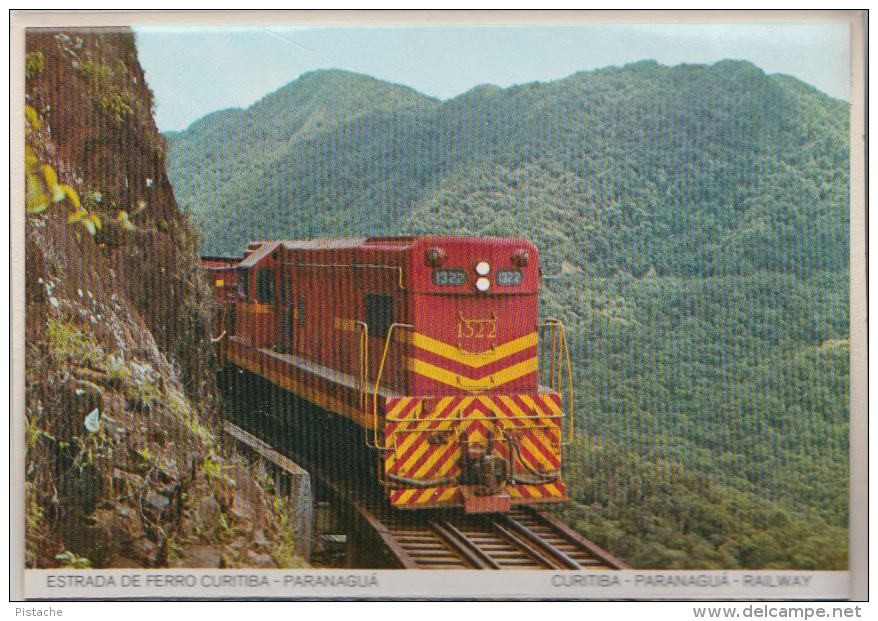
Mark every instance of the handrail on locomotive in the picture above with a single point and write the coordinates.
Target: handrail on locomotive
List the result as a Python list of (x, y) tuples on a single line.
[(378, 383), (559, 357), (559, 343)]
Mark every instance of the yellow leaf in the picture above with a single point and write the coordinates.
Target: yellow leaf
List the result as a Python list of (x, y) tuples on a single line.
[(30, 160), (124, 221), (51, 178), (31, 115), (37, 199), (71, 194), (96, 220), (77, 216)]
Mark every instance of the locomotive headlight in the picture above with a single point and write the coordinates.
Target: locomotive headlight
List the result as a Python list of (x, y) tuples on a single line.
[(483, 284), (520, 257), (435, 257), (482, 269)]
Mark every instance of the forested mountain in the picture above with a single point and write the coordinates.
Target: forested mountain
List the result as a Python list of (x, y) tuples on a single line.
[(693, 170), (697, 218), (314, 149)]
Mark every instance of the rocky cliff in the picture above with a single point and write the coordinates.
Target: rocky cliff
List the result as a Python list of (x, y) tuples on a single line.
[(124, 466)]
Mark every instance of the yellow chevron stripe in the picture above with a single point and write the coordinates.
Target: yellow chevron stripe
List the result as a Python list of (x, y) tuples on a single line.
[(469, 384), (550, 403), (474, 361), (447, 495), (414, 457), (405, 496), (345, 324), (536, 453), (449, 464), (427, 369), (425, 467), (441, 407), (399, 406), (501, 416), (475, 435), (411, 435), (512, 405), (554, 489), (406, 444), (475, 413), (545, 404)]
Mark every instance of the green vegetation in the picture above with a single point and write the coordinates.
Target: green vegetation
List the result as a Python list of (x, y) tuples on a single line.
[(697, 218), (661, 515), (42, 189), (35, 62), (114, 99)]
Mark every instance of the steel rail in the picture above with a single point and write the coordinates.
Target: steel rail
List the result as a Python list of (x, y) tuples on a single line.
[(463, 545), (560, 557), (579, 541), (530, 549)]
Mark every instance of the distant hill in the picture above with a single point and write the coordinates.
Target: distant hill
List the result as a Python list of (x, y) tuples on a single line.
[(691, 170), (246, 174)]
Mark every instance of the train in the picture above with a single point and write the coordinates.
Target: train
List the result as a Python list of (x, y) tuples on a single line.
[(430, 346)]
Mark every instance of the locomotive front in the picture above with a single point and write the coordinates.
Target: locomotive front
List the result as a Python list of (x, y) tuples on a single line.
[(475, 426)]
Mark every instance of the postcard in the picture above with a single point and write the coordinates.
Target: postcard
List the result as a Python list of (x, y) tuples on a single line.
[(351, 305)]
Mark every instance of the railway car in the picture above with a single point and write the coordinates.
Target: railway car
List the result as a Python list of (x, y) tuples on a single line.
[(431, 345), (221, 274)]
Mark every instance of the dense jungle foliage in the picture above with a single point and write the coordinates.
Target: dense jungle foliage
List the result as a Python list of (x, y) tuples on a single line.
[(697, 220)]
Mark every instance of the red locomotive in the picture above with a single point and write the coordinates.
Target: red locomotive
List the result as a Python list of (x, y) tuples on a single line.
[(431, 345)]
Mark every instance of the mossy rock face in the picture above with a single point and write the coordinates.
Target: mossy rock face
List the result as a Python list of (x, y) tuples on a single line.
[(98, 539), (87, 397), (83, 489), (78, 399), (208, 517)]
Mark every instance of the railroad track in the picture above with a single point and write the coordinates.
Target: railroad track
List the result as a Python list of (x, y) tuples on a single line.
[(524, 538)]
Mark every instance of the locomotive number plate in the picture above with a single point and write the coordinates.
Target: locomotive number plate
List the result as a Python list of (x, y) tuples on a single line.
[(476, 328)]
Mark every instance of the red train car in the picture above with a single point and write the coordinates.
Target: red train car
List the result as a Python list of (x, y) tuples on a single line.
[(222, 276), (432, 345)]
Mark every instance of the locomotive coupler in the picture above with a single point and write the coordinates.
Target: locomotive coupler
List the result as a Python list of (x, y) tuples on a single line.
[(482, 469)]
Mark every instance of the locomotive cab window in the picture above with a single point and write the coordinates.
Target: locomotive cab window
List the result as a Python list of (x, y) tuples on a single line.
[(448, 278), (509, 277), (379, 313), (265, 285)]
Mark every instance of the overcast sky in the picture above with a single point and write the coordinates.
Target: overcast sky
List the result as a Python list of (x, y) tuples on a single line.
[(195, 71)]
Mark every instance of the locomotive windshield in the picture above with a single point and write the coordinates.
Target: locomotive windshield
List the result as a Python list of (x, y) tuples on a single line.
[(448, 278), (509, 277)]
